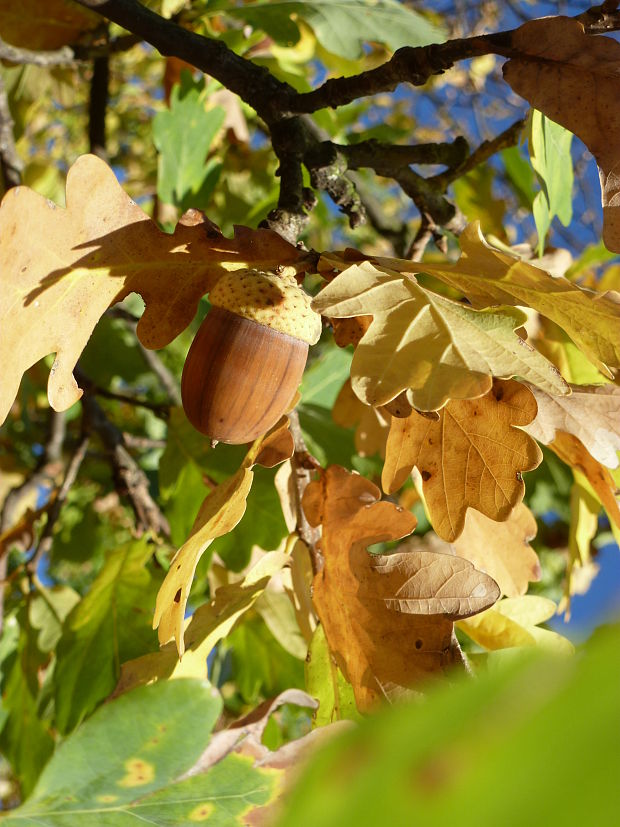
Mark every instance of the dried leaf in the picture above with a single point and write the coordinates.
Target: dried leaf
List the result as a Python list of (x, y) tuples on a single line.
[(284, 482), (379, 650), (574, 453), (502, 550), (438, 348), (591, 413), (574, 79), (277, 446), (472, 457), (585, 508), (300, 595), (429, 583), (61, 268)]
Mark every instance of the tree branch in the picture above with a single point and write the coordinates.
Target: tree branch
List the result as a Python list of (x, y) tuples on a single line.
[(130, 480), (252, 83), (303, 466), (509, 137), (97, 106), (67, 55)]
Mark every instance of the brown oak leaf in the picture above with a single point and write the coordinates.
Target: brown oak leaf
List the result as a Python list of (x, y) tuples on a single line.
[(574, 79), (471, 457), (387, 619)]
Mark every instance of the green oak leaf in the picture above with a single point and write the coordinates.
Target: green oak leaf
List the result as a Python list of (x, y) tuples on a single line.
[(183, 135)]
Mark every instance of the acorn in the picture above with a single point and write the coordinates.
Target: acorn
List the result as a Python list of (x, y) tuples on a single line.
[(249, 355)]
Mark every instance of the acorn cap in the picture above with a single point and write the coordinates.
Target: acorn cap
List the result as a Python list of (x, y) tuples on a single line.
[(276, 301)]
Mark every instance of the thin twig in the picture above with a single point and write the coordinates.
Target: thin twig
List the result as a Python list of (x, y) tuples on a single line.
[(129, 479), (303, 465), (509, 137), (142, 443), (97, 106)]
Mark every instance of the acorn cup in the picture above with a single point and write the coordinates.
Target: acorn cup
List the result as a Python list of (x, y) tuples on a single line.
[(249, 355)]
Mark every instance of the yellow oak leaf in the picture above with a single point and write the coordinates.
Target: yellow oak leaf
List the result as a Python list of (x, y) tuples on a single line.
[(591, 413), (60, 269), (502, 550), (208, 625), (471, 457), (574, 79), (573, 452), (387, 619), (487, 276), (436, 348), (220, 512), (514, 622), (554, 343)]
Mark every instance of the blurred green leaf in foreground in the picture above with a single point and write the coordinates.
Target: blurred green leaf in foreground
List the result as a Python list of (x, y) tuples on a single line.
[(533, 743)]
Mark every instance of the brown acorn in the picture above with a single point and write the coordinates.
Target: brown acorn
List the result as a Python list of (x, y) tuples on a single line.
[(249, 355)]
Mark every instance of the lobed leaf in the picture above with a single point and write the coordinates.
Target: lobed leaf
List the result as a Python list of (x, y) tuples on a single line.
[(434, 348), (591, 413), (387, 631), (574, 453), (502, 550), (471, 457), (144, 741), (220, 512), (575, 80)]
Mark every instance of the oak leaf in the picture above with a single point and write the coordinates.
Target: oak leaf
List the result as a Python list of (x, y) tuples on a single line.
[(471, 457), (208, 625), (502, 550), (388, 620), (219, 513), (437, 348), (591, 413), (574, 79), (574, 453), (222, 509), (488, 276), (585, 508), (514, 622), (60, 269)]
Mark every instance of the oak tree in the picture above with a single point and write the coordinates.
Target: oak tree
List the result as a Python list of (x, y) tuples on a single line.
[(215, 568)]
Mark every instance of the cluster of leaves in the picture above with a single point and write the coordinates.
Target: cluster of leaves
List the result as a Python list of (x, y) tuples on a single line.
[(442, 378)]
